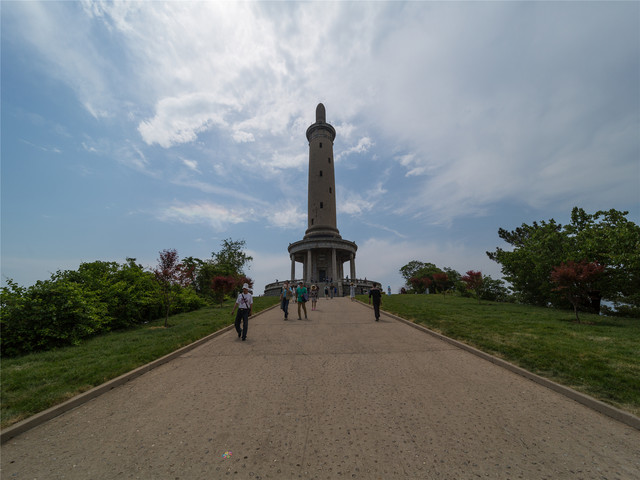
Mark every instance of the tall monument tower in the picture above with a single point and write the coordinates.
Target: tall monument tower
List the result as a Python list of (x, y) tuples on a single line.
[(322, 183), (322, 251)]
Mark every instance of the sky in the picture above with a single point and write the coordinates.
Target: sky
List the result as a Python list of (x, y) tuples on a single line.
[(132, 127)]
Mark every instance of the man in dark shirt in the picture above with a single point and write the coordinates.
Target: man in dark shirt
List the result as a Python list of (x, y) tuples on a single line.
[(377, 299)]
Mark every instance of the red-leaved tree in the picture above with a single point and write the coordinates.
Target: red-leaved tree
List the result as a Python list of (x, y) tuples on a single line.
[(440, 281), (577, 281), (474, 281), (172, 276), (222, 286), (420, 284)]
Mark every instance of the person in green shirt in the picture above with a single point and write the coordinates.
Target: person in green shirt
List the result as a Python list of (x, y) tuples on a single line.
[(302, 296)]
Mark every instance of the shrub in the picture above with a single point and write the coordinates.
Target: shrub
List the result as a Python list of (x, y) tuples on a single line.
[(47, 315)]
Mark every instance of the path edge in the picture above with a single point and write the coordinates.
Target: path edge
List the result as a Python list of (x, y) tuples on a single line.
[(590, 402), (52, 412)]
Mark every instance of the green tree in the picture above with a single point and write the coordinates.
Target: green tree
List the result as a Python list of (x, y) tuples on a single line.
[(51, 313), (453, 277), (536, 250), (411, 269), (231, 259), (494, 290), (606, 237)]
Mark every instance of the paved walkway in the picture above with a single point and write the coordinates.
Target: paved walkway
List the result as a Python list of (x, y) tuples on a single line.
[(335, 396)]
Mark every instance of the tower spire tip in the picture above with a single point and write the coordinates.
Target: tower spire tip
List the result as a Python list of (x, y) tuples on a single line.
[(321, 114)]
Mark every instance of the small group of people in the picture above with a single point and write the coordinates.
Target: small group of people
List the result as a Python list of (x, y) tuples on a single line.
[(330, 291), (244, 303), (301, 296)]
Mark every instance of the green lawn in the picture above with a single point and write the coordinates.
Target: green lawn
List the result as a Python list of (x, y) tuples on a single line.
[(599, 357), (35, 382)]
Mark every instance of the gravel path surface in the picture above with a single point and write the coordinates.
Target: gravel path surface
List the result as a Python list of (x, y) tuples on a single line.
[(336, 396)]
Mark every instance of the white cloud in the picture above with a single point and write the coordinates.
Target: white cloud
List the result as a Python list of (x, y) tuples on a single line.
[(354, 203), (286, 215), (217, 216), (180, 119), (267, 268), (191, 164), (243, 137)]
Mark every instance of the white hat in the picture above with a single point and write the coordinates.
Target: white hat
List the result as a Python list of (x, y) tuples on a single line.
[(246, 285)]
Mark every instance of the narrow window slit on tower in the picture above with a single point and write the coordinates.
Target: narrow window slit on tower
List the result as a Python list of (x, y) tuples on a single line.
[(320, 144), (320, 172), (329, 159), (321, 206)]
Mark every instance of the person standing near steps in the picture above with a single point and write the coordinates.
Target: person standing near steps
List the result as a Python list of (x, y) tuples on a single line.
[(244, 303)]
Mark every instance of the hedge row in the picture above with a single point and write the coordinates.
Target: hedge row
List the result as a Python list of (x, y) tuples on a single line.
[(75, 304)]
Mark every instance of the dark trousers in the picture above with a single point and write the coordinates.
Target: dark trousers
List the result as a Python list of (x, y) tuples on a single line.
[(285, 307), (376, 309), (242, 314)]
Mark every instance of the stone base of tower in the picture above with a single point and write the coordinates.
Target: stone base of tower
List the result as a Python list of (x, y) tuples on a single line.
[(323, 259), (362, 286)]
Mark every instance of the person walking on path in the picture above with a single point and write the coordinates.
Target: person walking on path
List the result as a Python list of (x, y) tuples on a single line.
[(302, 295), (285, 297), (352, 292), (376, 294), (244, 303), (314, 297)]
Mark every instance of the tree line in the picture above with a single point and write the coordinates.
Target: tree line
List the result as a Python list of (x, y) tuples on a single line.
[(591, 264), (104, 296), (421, 277)]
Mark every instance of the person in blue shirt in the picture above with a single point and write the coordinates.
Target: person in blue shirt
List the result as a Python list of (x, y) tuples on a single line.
[(285, 297)]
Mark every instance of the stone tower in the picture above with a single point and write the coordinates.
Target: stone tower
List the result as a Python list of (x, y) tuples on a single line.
[(322, 183), (322, 251)]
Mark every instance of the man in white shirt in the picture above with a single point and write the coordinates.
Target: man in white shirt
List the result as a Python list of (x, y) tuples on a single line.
[(244, 302)]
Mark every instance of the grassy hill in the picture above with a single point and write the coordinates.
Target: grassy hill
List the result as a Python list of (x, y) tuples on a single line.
[(32, 383), (600, 357)]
